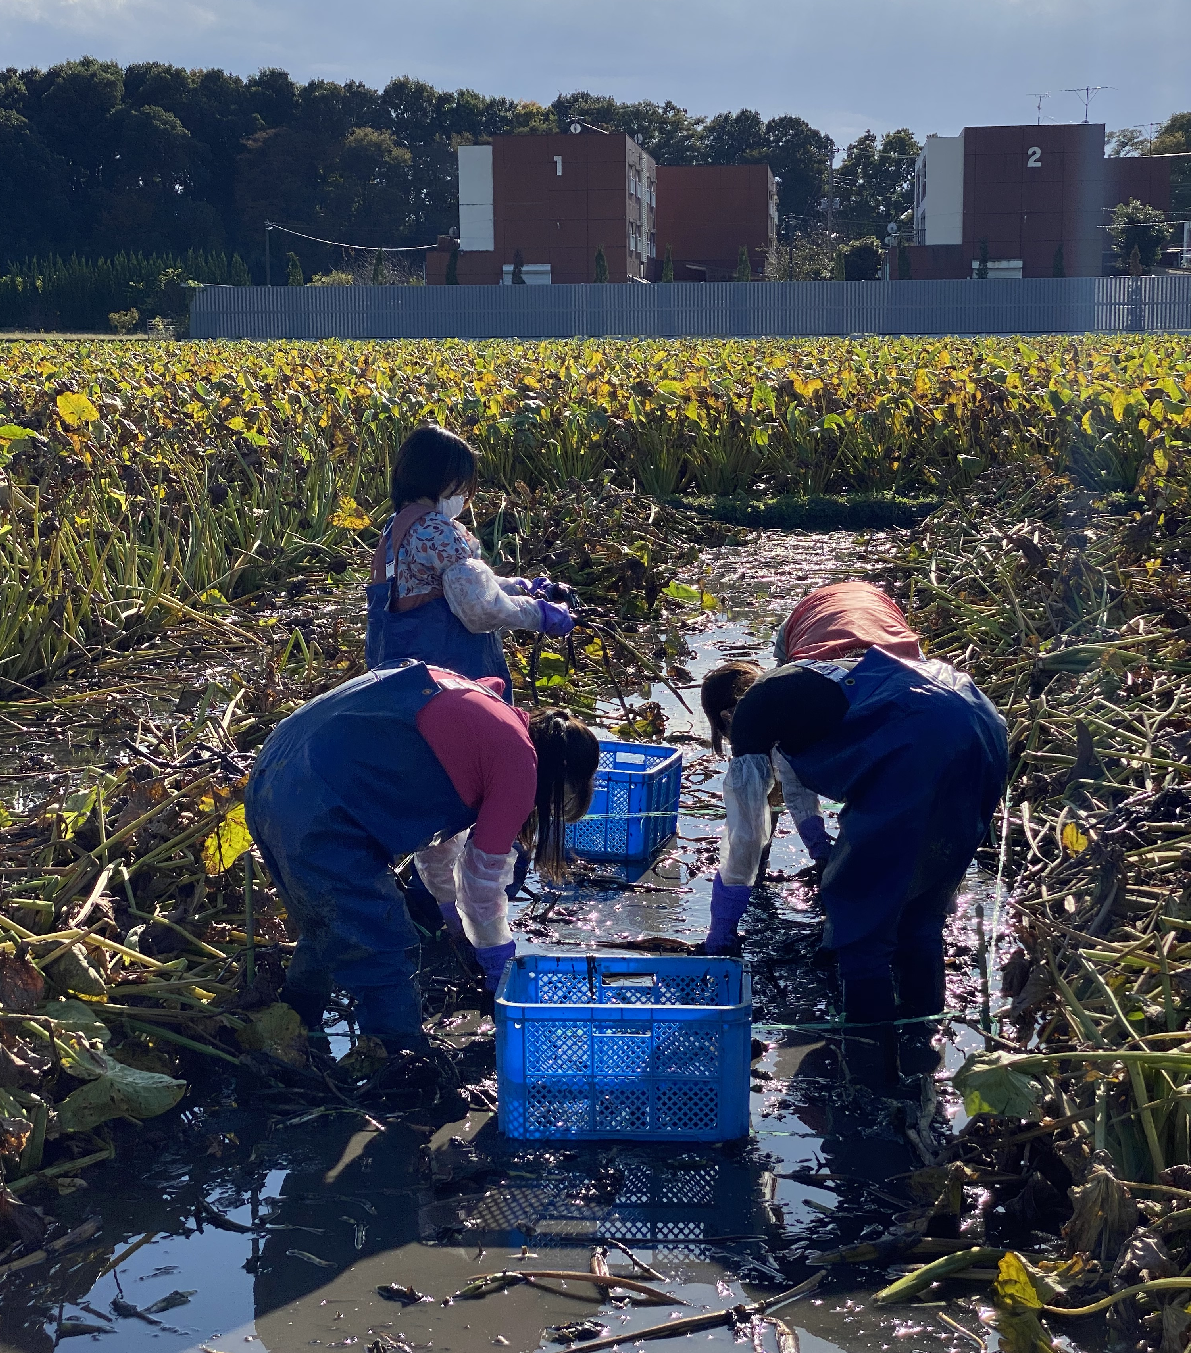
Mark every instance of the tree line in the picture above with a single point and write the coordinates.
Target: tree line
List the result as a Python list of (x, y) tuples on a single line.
[(99, 160)]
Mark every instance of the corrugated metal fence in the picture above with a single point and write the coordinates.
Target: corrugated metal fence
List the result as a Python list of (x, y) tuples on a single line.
[(680, 310)]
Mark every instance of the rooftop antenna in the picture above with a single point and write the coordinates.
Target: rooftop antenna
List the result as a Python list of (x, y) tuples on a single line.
[(1087, 93), (1040, 97)]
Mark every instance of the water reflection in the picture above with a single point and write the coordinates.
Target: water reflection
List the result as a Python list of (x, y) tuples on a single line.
[(335, 1208)]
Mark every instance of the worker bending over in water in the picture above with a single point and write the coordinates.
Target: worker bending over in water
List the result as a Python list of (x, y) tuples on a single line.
[(406, 760), (910, 747), (431, 596)]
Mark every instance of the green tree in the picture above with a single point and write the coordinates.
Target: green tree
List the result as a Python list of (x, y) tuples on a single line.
[(1174, 136), (744, 268), (518, 266), (238, 275), (1126, 142), (380, 272), (294, 276), (861, 259), (1058, 268), (452, 278), (875, 182), (668, 265), (982, 266), (601, 265), (1138, 226)]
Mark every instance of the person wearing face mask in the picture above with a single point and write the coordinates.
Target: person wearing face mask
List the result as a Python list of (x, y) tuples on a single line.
[(408, 759), (431, 596)]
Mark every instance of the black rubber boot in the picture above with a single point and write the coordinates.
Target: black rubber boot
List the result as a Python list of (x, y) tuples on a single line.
[(921, 992), (921, 984), (870, 1051), (310, 1005)]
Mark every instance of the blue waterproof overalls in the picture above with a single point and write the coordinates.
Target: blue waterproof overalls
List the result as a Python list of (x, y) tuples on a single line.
[(341, 788), (430, 632), (919, 763)]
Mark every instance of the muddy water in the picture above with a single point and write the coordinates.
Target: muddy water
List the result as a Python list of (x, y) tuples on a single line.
[(332, 1208)]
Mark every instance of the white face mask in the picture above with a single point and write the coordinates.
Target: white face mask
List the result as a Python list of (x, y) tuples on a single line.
[(451, 507)]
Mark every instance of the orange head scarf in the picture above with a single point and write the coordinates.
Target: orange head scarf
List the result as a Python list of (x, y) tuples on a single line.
[(846, 618)]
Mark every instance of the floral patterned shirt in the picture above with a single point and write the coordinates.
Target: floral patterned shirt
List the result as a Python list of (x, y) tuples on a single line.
[(432, 546)]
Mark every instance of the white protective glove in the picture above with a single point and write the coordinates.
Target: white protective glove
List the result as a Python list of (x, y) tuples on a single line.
[(436, 868), (749, 822), (801, 802), (480, 882)]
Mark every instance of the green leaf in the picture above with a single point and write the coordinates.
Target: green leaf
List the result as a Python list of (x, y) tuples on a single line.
[(990, 1084), (75, 810), (1021, 1332), (120, 1092), (78, 1018), (9, 432), (681, 592)]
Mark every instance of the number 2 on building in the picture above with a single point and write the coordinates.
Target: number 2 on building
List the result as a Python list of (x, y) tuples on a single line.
[(1034, 158)]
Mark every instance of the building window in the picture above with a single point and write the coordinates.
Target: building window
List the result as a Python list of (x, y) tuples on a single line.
[(558, 165)]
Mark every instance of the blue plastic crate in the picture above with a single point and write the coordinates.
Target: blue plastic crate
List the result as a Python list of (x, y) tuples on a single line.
[(635, 804), (626, 1048)]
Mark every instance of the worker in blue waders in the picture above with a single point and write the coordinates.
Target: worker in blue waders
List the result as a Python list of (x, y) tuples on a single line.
[(431, 596), (917, 756), (407, 760)]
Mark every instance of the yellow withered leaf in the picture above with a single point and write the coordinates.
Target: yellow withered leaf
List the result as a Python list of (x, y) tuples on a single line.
[(349, 514), (74, 409), (227, 842), (1073, 839)]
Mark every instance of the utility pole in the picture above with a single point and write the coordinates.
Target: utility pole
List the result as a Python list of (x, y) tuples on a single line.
[(830, 186), (268, 264)]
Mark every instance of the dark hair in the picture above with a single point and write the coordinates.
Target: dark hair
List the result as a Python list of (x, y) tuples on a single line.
[(568, 758), (430, 463), (722, 688)]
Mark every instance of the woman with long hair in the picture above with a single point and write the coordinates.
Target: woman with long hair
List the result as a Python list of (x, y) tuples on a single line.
[(407, 760)]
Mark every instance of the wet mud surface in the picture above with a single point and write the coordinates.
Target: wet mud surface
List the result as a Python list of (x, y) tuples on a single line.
[(284, 1232)]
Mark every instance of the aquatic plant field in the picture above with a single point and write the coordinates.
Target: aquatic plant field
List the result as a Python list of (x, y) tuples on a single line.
[(184, 530)]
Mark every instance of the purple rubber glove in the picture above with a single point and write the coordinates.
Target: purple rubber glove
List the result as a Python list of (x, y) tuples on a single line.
[(728, 905), (493, 962), (815, 838), (451, 919), (537, 586), (556, 620), (523, 585)]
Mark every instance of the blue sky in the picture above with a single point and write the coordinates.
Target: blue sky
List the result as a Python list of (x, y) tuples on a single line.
[(844, 65)]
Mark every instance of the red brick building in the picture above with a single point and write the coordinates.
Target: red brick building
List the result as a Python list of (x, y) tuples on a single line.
[(1038, 198), (555, 200), (706, 212)]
